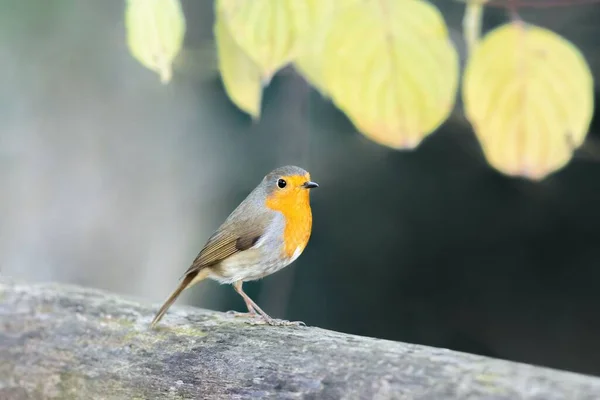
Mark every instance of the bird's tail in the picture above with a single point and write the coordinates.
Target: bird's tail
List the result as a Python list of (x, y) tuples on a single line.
[(190, 279)]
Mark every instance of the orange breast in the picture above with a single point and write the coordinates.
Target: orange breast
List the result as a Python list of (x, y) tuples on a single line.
[(298, 219)]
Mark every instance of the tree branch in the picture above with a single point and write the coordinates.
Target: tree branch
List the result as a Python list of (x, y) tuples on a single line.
[(68, 342)]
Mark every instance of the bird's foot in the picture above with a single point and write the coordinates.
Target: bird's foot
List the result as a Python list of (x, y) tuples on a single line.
[(275, 322)]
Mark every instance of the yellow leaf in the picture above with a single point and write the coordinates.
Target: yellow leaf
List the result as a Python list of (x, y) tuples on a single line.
[(269, 31), (391, 67), (241, 76), (529, 95), (309, 59), (155, 31)]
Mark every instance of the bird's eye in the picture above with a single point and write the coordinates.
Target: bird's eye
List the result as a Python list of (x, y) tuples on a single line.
[(281, 183)]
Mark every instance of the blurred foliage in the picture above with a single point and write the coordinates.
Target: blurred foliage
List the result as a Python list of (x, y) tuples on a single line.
[(271, 32), (392, 88), (529, 96), (241, 76), (155, 31), (391, 67)]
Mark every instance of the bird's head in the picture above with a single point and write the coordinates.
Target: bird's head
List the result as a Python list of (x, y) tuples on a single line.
[(288, 186)]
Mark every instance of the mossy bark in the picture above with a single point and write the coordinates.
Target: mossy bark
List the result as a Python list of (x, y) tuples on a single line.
[(66, 342)]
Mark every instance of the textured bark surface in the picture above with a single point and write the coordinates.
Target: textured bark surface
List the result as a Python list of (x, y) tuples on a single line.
[(75, 343)]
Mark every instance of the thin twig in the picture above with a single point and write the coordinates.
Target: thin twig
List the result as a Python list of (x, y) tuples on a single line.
[(539, 3)]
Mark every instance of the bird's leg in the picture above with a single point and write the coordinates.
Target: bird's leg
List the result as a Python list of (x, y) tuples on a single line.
[(251, 311), (249, 302), (252, 305)]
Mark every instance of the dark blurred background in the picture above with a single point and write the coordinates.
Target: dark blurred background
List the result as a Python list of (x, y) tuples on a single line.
[(112, 180)]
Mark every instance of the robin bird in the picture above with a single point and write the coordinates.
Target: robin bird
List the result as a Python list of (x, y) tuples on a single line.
[(265, 233)]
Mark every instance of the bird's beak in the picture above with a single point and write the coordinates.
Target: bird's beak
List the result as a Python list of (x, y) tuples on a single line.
[(310, 185)]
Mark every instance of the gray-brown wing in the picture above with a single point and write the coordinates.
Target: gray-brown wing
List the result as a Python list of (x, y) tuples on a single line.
[(227, 241)]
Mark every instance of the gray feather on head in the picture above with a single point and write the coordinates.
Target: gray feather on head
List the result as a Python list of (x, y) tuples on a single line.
[(288, 170)]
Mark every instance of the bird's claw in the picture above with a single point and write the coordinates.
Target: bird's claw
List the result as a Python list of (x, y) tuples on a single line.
[(289, 323), (276, 322), (257, 319)]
